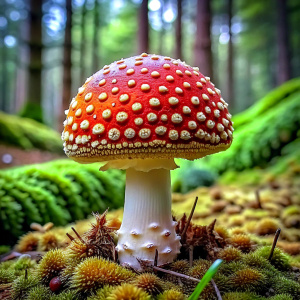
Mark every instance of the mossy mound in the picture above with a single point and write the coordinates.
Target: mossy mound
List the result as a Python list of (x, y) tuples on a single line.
[(28, 134), (264, 134), (59, 192), (60, 275), (263, 131), (248, 208)]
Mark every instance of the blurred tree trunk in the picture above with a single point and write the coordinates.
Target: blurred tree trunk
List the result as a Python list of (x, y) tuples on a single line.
[(143, 31), (230, 69), (96, 44), (33, 105), (162, 31), (4, 73), (67, 71), (203, 53), (83, 44), (178, 31), (284, 64)]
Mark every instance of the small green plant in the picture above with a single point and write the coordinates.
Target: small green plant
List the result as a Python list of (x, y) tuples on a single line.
[(205, 280)]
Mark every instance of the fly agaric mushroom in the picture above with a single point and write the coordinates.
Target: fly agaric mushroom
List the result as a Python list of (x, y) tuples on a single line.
[(139, 114)]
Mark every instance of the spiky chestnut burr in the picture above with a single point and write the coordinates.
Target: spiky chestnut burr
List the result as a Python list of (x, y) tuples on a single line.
[(248, 279), (171, 295), (99, 238), (97, 241), (28, 242), (242, 242), (51, 265), (128, 291), (230, 254), (93, 273), (48, 241), (149, 283)]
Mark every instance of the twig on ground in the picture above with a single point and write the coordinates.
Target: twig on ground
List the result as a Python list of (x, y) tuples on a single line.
[(189, 218), (274, 243)]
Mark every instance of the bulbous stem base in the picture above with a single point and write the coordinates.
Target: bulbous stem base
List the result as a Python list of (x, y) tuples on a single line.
[(147, 221)]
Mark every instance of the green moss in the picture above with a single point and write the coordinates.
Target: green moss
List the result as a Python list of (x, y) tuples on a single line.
[(28, 134), (241, 296), (128, 291), (58, 192), (281, 297), (248, 279), (171, 295), (279, 260), (247, 151), (22, 285), (66, 295), (290, 211), (4, 249), (102, 293), (287, 286), (39, 292), (6, 276)]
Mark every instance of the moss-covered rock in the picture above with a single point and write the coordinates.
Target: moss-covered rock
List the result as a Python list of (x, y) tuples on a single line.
[(59, 192), (28, 134)]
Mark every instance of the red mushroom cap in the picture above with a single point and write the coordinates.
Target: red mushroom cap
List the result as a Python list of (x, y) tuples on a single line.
[(146, 106)]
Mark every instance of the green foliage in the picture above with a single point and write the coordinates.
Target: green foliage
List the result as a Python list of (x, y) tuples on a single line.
[(4, 249), (205, 279), (6, 276), (272, 99), (241, 296), (58, 192), (39, 292), (66, 295), (287, 286), (263, 131), (281, 297), (28, 134), (22, 285), (192, 178), (32, 111), (279, 259)]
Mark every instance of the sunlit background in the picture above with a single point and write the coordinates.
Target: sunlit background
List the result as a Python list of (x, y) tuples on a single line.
[(108, 30)]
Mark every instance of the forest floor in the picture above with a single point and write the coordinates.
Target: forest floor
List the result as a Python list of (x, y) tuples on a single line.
[(13, 156)]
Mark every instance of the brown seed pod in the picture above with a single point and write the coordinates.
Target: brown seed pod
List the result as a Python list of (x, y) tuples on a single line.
[(99, 238)]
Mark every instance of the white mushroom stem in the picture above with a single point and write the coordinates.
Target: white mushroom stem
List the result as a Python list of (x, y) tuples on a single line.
[(147, 221)]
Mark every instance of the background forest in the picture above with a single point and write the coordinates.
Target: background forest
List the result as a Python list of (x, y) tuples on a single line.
[(249, 49), (49, 47)]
